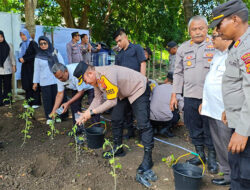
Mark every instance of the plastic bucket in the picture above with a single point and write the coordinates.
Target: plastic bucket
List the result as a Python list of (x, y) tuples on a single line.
[(95, 137), (187, 176)]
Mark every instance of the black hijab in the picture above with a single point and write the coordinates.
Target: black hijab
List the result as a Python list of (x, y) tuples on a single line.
[(49, 54), (4, 50)]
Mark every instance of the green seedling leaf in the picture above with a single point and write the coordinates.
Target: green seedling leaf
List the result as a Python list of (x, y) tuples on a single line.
[(164, 159), (49, 133), (28, 136), (71, 144), (221, 174)]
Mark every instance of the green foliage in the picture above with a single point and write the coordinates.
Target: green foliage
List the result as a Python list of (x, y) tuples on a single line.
[(27, 116), (170, 160), (77, 147), (53, 131), (113, 161), (9, 99)]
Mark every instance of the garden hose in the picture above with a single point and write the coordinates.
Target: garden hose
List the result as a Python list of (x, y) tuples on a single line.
[(190, 152), (101, 122)]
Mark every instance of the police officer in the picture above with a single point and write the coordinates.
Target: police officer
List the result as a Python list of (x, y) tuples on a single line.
[(130, 56), (117, 83), (231, 19), (73, 49), (172, 49), (191, 66)]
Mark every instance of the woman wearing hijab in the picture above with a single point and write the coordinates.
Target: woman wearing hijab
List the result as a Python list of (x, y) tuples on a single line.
[(28, 49), (45, 58), (7, 67)]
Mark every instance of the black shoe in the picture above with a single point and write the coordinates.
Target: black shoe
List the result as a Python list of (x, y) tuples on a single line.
[(1, 144), (211, 162), (196, 161), (166, 132), (221, 182), (145, 177), (147, 162), (119, 152)]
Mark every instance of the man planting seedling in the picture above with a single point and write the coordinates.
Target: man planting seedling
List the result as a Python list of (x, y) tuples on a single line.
[(117, 83)]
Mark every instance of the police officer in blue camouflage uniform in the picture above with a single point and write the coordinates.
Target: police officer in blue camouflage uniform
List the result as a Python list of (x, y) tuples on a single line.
[(231, 20)]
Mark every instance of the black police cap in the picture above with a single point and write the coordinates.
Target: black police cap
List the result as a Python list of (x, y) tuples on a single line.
[(171, 45), (170, 75), (80, 70), (226, 9)]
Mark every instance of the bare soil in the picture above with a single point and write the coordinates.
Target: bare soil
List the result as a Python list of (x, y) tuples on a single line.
[(45, 164)]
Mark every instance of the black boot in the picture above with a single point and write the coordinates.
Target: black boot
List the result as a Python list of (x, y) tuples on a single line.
[(211, 162), (196, 161), (117, 151), (147, 162)]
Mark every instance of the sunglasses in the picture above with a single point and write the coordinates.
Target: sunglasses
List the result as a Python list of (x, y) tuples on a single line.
[(43, 43), (215, 36)]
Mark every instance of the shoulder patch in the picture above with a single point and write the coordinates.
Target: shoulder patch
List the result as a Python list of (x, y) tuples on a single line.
[(111, 89), (245, 56)]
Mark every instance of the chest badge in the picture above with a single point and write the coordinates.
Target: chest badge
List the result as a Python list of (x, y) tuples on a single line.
[(102, 83), (189, 63)]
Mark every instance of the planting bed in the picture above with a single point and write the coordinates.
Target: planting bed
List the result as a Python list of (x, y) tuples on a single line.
[(45, 164)]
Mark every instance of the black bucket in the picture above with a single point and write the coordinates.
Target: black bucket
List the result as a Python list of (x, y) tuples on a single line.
[(187, 176), (95, 137)]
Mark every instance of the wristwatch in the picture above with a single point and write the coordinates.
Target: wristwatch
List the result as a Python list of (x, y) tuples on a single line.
[(91, 112)]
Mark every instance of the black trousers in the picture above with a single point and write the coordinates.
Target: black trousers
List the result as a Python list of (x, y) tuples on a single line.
[(141, 111), (197, 124), (5, 87), (48, 95), (167, 124), (35, 95), (76, 106), (240, 169)]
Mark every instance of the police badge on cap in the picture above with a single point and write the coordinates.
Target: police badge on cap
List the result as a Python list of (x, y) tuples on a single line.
[(226, 9), (79, 71)]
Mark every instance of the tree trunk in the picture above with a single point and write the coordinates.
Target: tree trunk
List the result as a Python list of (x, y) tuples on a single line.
[(188, 9), (66, 8), (30, 6), (83, 22)]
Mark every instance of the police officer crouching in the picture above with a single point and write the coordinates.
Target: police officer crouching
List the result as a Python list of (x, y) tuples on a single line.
[(117, 82), (231, 20)]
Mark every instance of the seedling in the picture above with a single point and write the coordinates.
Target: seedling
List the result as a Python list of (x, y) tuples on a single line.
[(53, 131), (76, 138), (27, 115), (113, 161), (9, 99), (170, 160)]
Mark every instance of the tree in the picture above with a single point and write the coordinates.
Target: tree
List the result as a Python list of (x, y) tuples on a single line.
[(30, 6)]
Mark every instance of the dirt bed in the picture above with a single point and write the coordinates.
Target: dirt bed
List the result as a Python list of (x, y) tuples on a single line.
[(45, 164)]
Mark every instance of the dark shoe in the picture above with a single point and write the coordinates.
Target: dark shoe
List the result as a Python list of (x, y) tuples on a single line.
[(147, 162), (196, 161), (220, 181), (166, 132), (145, 177), (119, 152), (211, 162), (1, 144)]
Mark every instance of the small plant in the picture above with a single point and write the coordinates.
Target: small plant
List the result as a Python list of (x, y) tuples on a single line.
[(53, 131), (76, 138), (9, 99), (113, 161), (170, 160), (27, 115)]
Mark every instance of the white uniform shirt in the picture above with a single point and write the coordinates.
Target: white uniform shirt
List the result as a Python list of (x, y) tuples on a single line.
[(72, 82), (212, 102)]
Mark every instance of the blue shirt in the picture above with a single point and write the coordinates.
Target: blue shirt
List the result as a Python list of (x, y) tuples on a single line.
[(72, 82), (42, 73), (131, 58)]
